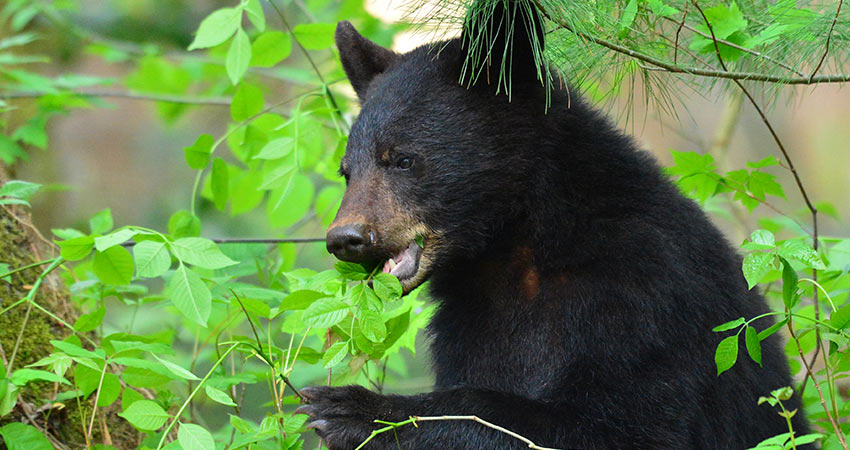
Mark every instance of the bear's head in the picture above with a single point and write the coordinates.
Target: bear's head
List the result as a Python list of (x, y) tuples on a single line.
[(439, 158)]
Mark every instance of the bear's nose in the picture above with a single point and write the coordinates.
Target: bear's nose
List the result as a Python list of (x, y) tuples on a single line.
[(350, 242)]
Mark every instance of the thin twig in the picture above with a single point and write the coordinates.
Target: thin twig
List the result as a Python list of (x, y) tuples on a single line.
[(181, 99), (318, 72), (253, 241), (391, 426), (828, 38), (679, 30), (835, 426), (674, 68)]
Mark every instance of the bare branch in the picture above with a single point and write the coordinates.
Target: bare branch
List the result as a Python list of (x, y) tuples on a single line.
[(254, 241), (181, 99)]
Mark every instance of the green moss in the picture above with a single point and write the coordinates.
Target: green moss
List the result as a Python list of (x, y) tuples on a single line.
[(64, 422)]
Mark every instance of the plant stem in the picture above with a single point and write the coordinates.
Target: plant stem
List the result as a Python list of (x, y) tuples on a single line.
[(195, 391)]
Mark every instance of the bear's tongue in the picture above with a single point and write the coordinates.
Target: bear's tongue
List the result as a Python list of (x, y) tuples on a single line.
[(406, 263)]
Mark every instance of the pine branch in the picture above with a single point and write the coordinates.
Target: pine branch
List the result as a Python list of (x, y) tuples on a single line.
[(675, 68)]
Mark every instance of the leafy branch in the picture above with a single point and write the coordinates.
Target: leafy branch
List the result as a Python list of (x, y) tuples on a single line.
[(676, 68)]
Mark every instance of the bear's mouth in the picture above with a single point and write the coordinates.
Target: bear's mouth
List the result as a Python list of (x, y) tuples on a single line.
[(405, 264)]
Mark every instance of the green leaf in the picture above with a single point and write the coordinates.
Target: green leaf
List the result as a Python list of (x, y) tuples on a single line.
[(90, 322), (103, 243), (760, 240), (270, 48), (255, 14), (327, 203), (195, 437), (145, 415), (801, 251), (183, 224), (238, 57), (660, 9), (217, 28), (762, 163), (726, 354), (764, 334), (152, 259), (19, 436), (110, 390), (315, 36), (4, 270), (200, 252), (10, 151), (729, 325), (351, 271), (325, 312), (19, 189), (753, 344), (279, 178), (288, 204), (335, 354), (190, 295), (33, 132), (628, 16), (198, 154), (77, 248), (840, 319), (219, 183), (75, 350), (247, 102), (300, 300), (218, 396), (114, 266), (372, 326), (176, 369), (9, 399), (101, 222), (387, 287), (756, 266), (724, 20), (789, 284), (276, 149), (23, 376)]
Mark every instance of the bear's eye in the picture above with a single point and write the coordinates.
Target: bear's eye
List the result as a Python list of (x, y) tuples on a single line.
[(404, 162)]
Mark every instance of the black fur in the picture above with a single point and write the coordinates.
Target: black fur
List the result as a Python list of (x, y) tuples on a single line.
[(577, 287)]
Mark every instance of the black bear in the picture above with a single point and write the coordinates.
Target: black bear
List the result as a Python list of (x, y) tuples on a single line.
[(576, 287)]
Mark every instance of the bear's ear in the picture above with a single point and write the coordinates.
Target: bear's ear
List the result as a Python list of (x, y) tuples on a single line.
[(504, 43), (361, 58)]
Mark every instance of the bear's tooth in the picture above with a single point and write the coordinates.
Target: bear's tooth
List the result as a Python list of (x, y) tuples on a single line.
[(392, 263)]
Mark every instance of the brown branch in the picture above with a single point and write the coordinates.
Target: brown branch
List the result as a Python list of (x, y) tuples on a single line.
[(181, 99), (679, 30), (835, 426), (675, 68), (828, 38)]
